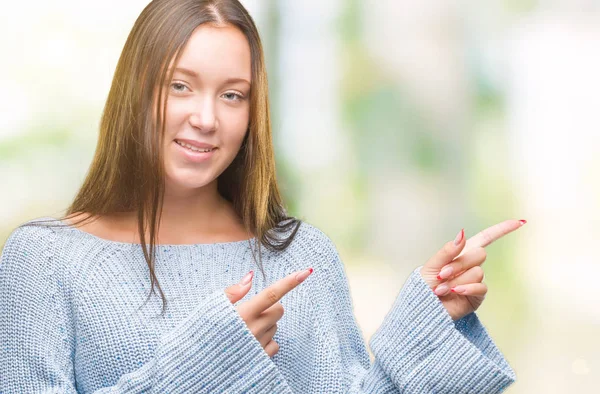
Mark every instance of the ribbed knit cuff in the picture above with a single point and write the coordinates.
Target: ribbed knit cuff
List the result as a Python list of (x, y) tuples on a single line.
[(422, 351), (213, 351), (471, 328)]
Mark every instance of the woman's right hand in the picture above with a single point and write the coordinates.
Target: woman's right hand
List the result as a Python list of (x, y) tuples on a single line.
[(262, 311)]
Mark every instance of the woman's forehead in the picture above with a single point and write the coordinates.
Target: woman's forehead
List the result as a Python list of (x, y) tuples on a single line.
[(216, 53)]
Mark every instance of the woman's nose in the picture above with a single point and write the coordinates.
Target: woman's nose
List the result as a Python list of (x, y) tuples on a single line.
[(203, 117)]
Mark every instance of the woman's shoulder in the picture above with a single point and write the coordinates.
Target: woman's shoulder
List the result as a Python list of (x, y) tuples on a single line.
[(29, 248), (31, 233), (313, 247), (44, 237), (51, 246), (313, 234), (311, 241)]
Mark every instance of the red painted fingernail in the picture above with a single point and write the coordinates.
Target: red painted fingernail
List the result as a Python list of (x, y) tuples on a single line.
[(246, 279), (523, 221), (447, 271), (441, 289), (459, 237), (304, 274)]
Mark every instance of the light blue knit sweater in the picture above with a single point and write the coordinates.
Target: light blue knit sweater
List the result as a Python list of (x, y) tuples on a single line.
[(69, 323)]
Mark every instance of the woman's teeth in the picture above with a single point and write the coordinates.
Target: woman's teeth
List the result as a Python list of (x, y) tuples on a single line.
[(192, 147)]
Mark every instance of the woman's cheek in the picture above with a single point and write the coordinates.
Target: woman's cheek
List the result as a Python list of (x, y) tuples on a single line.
[(176, 113)]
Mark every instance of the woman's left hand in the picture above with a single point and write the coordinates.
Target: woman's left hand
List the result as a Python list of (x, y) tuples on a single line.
[(455, 274)]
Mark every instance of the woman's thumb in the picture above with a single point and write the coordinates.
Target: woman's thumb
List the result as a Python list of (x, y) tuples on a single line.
[(239, 290), (450, 251)]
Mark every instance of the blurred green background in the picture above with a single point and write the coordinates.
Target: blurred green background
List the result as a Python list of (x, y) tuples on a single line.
[(396, 124)]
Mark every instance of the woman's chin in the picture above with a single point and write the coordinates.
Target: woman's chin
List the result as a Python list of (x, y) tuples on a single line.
[(185, 181)]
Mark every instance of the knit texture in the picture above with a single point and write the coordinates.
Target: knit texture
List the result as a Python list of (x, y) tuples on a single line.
[(71, 322)]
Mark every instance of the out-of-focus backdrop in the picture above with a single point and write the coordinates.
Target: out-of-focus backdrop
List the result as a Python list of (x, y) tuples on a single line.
[(396, 124)]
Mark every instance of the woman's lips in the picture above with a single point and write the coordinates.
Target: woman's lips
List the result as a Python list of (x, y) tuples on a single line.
[(193, 156)]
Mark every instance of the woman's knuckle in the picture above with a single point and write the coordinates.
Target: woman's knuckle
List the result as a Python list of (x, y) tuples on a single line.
[(478, 272), (482, 254), (272, 296)]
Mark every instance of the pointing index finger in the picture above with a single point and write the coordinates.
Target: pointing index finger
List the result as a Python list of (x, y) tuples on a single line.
[(272, 294), (491, 234)]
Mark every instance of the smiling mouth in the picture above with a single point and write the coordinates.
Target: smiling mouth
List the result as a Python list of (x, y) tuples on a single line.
[(193, 148)]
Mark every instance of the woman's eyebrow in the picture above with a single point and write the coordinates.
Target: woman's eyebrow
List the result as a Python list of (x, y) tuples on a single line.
[(186, 71), (232, 80), (194, 74)]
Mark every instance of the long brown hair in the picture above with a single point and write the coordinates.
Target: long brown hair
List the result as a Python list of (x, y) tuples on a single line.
[(127, 173)]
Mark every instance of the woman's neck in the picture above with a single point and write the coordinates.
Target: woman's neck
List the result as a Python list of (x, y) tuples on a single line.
[(216, 221)]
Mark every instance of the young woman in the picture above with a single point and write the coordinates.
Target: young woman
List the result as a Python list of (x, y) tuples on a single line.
[(185, 162)]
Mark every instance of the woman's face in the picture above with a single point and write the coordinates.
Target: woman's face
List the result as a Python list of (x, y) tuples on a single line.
[(208, 107)]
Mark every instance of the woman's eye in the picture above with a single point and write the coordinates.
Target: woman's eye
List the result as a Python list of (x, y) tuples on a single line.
[(233, 96), (178, 87)]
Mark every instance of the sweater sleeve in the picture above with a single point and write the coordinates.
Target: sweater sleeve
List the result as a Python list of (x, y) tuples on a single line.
[(37, 335), (423, 350), (418, 348)]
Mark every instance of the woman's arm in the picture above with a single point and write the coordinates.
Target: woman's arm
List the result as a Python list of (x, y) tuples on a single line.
[(37, 335), (418, 348)]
